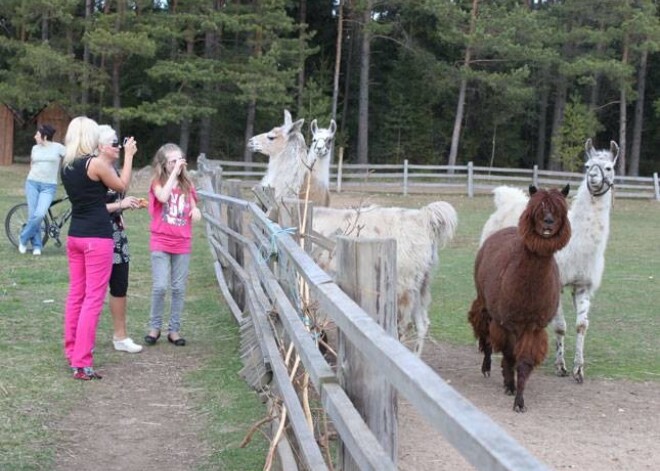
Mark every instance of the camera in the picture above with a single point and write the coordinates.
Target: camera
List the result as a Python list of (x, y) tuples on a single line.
[(125, 141)]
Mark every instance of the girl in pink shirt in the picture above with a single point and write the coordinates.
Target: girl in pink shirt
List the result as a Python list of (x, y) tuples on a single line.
[(173, 208)]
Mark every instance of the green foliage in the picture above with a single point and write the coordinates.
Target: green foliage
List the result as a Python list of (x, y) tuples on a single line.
[(579, 122)]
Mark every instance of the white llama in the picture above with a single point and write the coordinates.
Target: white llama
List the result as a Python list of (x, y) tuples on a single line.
[(419, 234), (287, 151), (582, 261), (318, 161)]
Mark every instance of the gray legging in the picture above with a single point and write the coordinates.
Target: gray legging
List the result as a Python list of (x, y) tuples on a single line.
[(166, 267)]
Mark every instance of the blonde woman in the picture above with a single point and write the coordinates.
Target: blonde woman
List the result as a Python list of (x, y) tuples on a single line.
[(173, 208), (86, 180)]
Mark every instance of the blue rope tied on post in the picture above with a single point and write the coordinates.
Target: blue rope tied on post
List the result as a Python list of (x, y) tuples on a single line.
[(271, 251)]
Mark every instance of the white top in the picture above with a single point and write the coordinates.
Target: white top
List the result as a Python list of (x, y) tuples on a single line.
[(46, 162)]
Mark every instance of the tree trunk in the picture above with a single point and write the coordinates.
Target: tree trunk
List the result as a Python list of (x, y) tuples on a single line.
[(335, 83), (210, 53), (86, 56), (363, 106), (348, 72), (460, 107), (633, 166), (302, 19), (557, 122), (623, 115), (249, 128), (543, 131), (184, 135)]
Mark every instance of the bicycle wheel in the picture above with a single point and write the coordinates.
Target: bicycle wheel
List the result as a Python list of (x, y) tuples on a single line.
[(16, 220)]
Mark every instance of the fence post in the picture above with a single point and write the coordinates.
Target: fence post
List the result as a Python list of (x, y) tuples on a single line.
[(366, 271), (470, 179), (656, 186), (405, 177), (235, 222), (535, 176), (339, 168)]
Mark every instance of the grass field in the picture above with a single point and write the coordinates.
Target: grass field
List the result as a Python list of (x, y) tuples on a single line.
[(35, 389)]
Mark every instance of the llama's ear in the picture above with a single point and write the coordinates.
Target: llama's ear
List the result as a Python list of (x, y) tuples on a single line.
[(614, 149), (297, 126), (287, 118), (588, 148), (313, 127), (565, 190), (532, 190), (333, 127)]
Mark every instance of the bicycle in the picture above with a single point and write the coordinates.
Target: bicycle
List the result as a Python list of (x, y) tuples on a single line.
[(51, 225)]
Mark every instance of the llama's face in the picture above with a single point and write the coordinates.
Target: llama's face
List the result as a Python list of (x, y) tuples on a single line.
[(599, 168), (269, 143), (544, 225), (275, 141), (322, 139)]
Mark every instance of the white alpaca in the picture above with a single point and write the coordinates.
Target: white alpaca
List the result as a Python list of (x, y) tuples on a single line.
[(285, 145), (419, 234), (318, 160), (582, 261)]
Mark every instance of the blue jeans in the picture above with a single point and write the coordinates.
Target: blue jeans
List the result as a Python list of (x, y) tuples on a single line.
[(168, 271), (39, 197)]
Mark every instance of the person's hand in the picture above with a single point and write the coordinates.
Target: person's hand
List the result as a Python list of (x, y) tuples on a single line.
[(196, 214), (130, 202), (178, 166), (130, 147)]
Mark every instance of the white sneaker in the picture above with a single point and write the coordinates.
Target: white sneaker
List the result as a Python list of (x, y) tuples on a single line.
[(22, 248), (36, 251), (127, 345)]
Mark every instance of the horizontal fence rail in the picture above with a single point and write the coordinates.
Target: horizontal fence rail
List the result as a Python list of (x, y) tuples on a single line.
[(467, 179)]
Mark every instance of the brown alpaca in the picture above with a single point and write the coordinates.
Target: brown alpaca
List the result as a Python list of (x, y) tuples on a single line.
[(518, 288)]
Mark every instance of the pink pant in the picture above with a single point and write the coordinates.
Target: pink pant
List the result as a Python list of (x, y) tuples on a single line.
[(90, 265)]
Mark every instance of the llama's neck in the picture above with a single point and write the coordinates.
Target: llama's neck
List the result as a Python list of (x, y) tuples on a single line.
[(590, 215), (286, 171), (321, 168)]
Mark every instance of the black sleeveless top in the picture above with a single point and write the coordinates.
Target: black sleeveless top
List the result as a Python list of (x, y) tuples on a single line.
[(90, 217)]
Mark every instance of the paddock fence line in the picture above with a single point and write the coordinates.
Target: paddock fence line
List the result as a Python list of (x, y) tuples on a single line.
[(263, 273), (467, 179)]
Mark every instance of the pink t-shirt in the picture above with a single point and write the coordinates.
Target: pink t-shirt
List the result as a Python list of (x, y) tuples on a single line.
[(171, 222)]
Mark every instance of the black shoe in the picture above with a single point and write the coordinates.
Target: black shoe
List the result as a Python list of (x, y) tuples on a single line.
[(180, 342), (151, 340)]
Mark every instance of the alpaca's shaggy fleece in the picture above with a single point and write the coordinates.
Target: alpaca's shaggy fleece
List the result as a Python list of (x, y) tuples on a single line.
[(518, 288), (419, 234)]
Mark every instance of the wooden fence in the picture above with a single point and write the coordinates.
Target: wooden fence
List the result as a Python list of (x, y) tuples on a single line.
[(468, 179), (260, 269)]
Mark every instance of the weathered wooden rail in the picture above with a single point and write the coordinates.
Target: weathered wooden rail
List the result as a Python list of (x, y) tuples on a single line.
[(252, 256), (469, 179)]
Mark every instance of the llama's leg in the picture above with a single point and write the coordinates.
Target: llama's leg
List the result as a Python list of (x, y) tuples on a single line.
[(582, 301), (421, 315), (480, 320), (508, 364), (421, 319), (559, 325), (524, 370), (531, 348)]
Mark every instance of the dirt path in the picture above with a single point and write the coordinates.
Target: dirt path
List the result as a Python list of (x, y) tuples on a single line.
[(597, 426), (139, 416)]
